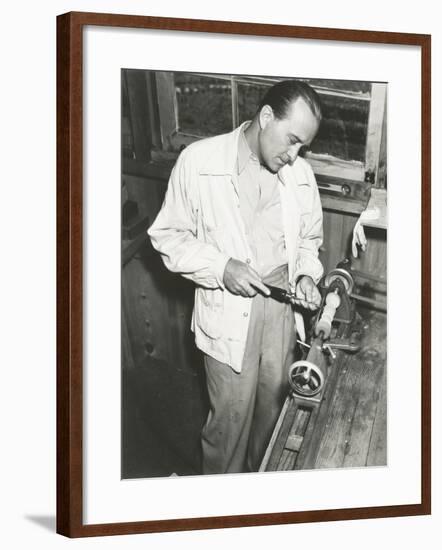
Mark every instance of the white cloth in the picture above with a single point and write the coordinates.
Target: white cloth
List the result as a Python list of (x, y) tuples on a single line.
[(359, 238), (199, 228)]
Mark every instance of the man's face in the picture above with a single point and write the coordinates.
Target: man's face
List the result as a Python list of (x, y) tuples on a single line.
[(280, 140)]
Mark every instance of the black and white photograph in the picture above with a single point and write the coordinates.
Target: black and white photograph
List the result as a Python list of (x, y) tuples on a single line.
[(253, 273)]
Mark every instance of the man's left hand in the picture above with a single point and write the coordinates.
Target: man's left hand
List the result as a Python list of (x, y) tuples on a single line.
[(307, 294)]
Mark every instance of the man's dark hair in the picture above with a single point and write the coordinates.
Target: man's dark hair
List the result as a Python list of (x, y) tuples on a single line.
[(284, 93)]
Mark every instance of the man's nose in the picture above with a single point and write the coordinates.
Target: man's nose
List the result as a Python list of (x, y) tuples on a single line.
[(293, 152)]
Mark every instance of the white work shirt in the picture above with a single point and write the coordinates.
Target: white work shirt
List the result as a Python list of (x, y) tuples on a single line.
[(200, 227)]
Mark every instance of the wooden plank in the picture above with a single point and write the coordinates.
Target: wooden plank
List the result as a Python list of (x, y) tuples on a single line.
[(308, 449), (235, 104), (287, 461), (381, 181), (167, 105), (340, 204), (294, 442), (358, 442), (332, 187), (374, 259), (319, 419), (145, 311), (139, 113), (127, 358), (330, 254), (130, 247), (173, 333), (152, 109), (302, 420), (334, 440), (295, 439), (374, 130), (288, 401), (377, 451), (346, 440), (328, 165), (279, 443), (377, 200)]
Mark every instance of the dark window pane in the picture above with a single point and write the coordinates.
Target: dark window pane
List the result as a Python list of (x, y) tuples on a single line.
[(249, 97), (343, 130), (204, 105)]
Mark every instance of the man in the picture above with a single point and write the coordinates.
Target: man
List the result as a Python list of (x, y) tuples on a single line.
[(242, 210)]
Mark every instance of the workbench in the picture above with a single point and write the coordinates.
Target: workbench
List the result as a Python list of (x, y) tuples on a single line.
[(350, 429)]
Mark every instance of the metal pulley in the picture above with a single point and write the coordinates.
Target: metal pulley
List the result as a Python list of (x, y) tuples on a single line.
[(342, 275), (305, 378)]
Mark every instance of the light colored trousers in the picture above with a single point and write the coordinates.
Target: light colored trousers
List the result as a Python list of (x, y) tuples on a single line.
[(245, 406)]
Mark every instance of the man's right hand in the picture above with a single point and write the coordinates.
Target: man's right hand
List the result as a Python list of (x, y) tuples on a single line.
[(240, 278)]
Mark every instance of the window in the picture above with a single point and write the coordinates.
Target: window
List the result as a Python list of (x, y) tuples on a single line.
[(207, 105), (191, 106), (345, 110)]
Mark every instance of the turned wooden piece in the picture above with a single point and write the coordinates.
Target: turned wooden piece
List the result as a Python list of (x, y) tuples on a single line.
[(332, 302)]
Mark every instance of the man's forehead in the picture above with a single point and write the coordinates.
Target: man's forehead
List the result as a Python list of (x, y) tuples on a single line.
[(299, 108), (300, 121)]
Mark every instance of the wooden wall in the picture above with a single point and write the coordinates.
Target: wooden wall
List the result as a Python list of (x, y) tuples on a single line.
[(370, 266), (156, 304)]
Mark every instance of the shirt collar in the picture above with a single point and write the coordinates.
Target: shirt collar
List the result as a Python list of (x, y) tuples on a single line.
[(222, 154), (245, 154)]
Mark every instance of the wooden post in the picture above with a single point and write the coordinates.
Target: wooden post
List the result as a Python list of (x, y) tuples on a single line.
[(139, 114)]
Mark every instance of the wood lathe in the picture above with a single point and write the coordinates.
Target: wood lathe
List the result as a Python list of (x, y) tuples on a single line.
[(336, 330)]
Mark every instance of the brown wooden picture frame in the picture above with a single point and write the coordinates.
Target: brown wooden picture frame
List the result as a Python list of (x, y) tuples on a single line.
[(70, 272)]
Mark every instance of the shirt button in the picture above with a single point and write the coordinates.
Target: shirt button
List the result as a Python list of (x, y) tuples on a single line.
[(245, 314), (249, 260)]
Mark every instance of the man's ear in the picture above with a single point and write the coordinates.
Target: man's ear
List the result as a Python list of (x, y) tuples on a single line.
[(266, 115)]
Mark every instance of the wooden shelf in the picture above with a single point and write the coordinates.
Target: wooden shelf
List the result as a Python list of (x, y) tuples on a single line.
[(377, 200)]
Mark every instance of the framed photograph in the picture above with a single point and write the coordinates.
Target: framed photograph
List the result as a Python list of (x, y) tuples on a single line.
[(243, 274)]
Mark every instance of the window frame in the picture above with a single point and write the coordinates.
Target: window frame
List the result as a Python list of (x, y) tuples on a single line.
[(322, 164)]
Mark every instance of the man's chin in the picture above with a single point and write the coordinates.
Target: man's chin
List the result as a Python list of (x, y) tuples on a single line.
[(274, 167)]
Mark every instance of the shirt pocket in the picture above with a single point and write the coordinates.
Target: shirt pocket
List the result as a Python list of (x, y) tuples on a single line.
[(209, 309)]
